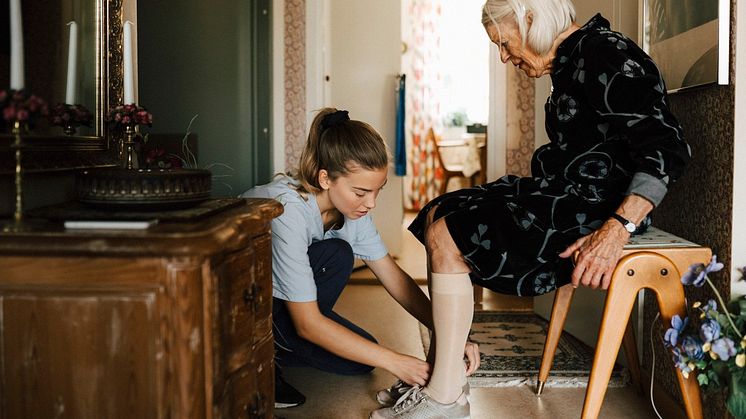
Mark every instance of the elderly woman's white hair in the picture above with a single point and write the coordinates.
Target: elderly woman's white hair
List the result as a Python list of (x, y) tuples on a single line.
[(550, 18)]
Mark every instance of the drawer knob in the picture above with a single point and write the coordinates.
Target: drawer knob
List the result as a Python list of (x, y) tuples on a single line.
[(252, 296), (258, 409)]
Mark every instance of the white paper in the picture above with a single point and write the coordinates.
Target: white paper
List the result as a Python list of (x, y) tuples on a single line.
[(109, 225)]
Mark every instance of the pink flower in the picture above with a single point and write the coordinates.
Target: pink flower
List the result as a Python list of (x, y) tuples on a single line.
[(22, 115)]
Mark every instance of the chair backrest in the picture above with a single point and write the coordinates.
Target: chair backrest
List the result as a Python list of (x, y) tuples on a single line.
[(430, 136)]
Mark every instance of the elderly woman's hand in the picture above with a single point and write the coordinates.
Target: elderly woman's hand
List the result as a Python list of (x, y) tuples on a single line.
[(598, 254)]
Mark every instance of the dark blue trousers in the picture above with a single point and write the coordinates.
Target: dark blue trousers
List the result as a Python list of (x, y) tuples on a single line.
[(331, 262)]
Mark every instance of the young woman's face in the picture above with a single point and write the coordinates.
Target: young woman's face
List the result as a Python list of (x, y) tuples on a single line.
[(507, 37), (354, 194)]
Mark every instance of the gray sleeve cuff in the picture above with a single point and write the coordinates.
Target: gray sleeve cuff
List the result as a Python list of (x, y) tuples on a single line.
[(648, 187)]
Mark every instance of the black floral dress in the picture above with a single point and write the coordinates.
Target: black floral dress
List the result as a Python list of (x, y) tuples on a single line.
[(611, 134)]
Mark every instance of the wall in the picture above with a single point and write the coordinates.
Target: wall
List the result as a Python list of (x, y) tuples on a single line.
[(195, 58), (700, 206), (364, 57)]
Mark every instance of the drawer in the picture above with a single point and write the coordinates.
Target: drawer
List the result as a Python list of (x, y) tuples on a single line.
[(236, 290), (249, 392), (262, 293)]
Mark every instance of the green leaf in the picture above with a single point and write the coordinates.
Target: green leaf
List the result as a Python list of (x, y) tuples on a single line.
[(703, 380), (742, 305), (737, 406), (737, 396)]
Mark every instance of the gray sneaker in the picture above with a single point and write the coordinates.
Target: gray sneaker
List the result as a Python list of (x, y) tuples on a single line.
[(388, 397), (415, 404)]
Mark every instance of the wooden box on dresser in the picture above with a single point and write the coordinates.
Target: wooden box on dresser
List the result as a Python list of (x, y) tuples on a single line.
[(169, 322)]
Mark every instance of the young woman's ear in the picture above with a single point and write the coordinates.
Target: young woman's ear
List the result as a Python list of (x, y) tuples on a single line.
[(324, 179)]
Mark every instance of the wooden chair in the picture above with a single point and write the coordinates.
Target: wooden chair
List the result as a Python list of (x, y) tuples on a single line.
[(655, 260), (453, 170)]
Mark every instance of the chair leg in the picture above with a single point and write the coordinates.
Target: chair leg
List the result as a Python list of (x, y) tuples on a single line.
[(619, 301), (562, 300), (478, 293), (671, 301), (629, 343)]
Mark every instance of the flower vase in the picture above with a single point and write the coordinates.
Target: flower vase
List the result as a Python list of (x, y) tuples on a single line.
[(737, 395)]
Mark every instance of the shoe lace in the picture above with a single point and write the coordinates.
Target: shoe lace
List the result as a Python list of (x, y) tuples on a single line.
[(409, 399), (399, 388)]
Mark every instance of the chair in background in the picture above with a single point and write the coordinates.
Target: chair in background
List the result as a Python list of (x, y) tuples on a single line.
[(455, 170)]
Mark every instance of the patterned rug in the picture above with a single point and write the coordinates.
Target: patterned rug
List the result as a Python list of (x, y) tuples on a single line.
[(511, 345)]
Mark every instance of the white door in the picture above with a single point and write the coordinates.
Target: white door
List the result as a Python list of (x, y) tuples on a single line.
[(354, 56)]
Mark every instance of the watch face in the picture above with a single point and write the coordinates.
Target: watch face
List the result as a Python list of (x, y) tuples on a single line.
[(630, 227)]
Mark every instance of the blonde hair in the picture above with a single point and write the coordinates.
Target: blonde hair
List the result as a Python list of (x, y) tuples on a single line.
[(550, 18), (335, 146)]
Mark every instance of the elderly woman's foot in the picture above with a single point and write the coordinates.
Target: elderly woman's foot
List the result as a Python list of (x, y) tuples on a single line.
[(388, 397), (416, 404)]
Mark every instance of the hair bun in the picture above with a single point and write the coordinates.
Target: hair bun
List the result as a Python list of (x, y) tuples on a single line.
[(334, 118)]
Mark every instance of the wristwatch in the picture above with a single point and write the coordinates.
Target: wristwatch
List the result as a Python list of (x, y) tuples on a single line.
[(628, 225)]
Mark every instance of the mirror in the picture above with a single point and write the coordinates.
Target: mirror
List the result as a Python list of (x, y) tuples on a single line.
[(96, 80)]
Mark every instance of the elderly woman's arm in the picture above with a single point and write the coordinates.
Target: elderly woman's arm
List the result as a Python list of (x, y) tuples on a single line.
[(599, 252)]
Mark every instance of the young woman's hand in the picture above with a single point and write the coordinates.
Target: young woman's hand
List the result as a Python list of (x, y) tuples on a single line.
[(411, 370), (471, 353)]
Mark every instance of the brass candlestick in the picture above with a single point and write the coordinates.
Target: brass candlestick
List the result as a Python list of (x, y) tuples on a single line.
[(69, 129), (17, 223), (18, 214), (128, 146)]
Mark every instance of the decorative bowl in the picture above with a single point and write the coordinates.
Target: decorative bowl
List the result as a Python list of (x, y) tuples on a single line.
[(143, 189)]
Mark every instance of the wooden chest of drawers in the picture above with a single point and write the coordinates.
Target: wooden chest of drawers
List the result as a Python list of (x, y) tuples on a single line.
[(172, 322)]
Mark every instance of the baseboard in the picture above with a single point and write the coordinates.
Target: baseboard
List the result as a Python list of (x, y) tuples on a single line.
[(667, 406)]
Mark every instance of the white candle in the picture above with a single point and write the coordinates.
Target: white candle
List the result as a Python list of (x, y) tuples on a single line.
[(16, 46), (129, 88), (72, 64)]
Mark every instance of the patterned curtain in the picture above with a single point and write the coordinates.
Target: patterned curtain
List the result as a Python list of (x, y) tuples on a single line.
[(421, 35)]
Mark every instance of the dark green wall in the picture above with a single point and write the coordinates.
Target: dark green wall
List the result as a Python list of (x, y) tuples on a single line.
[(212, 59)]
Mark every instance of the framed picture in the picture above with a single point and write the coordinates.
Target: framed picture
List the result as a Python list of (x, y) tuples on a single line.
[(689, 40)]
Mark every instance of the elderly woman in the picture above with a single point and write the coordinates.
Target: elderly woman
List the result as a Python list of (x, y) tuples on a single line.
[(614, 150)]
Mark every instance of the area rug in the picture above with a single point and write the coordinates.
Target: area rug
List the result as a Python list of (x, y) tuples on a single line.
[(511, 345)]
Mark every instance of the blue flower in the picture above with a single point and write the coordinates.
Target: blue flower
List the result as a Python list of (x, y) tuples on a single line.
[(709, 330), (714, 265), (724, 348), (677, 326), (710, 309), (680, 361), (692, 347), (695, 275)]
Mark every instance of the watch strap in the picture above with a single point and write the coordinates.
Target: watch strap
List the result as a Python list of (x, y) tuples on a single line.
[(628, 225)]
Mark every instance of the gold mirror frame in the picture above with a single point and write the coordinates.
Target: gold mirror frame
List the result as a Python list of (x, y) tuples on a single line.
[(60, 152)]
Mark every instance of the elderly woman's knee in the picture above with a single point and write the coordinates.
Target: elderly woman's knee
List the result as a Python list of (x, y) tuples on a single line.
[(437, 236)]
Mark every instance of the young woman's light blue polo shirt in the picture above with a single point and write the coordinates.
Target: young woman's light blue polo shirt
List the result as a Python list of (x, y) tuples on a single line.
[(300, 226)]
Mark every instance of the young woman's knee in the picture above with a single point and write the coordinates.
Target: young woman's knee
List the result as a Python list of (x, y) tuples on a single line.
[(337, 250)]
